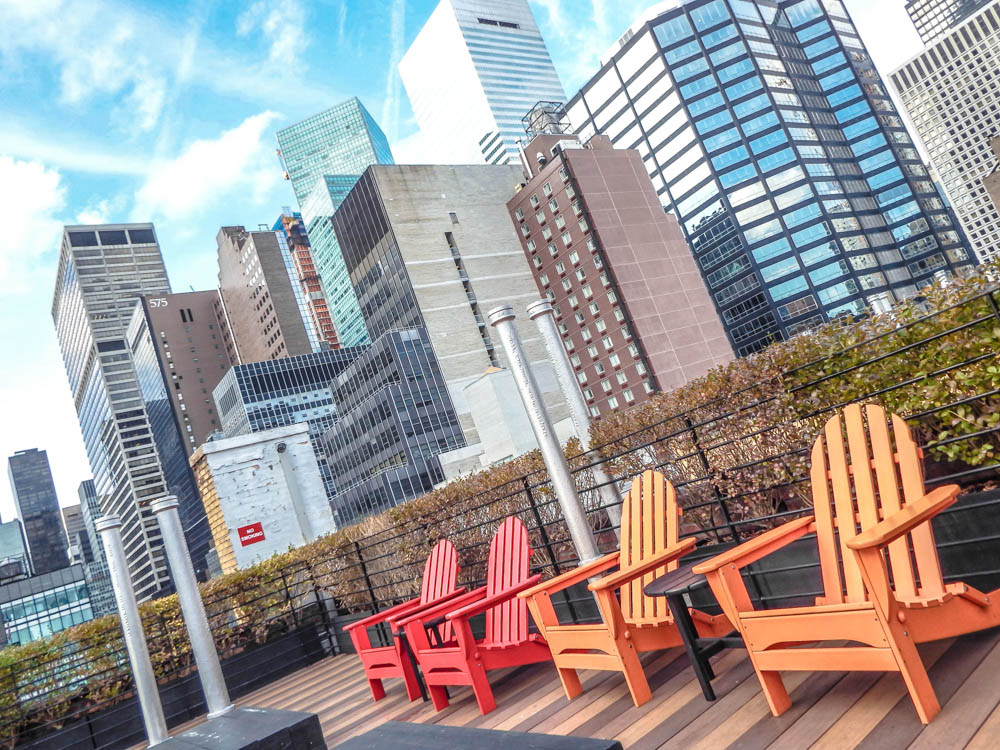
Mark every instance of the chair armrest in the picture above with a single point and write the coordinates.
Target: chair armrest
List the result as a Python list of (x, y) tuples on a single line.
[(398, 611), (440, 610), (625, 575), (906, 519), (482, 605), (571, 577), (420, 607), (760, 546)]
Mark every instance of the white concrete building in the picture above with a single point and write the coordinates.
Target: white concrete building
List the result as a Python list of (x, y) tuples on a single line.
[(472, 73), (951, 91), (263, 494)]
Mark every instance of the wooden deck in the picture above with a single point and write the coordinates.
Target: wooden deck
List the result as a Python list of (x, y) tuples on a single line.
[(830, 710)]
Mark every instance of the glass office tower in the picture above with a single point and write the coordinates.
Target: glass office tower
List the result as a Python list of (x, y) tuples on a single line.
[(935, 17), (103, 271), (38, 508), (323, 157), (950, 91), (257, 396), (472, 73), (768, 132)]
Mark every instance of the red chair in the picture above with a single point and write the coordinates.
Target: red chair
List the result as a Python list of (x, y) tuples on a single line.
[(507, 642), (380, 662)]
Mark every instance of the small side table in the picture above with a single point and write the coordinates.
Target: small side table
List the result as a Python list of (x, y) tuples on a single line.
[(674, 586)]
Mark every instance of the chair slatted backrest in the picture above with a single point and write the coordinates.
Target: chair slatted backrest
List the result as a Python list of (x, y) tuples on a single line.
[(440, 577), (508, 565), (650, 525), (857, 482)]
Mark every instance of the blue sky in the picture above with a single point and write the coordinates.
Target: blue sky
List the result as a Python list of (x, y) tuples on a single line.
[(166, 112)]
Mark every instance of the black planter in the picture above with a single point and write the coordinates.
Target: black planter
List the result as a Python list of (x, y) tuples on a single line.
[(120, 726)]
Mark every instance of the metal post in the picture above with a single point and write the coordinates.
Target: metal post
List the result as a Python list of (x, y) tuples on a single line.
[(541, 312), (192, 607), (109, 527), (502, 318)]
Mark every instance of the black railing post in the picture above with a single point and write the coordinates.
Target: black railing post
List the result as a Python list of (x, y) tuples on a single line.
[(370, 588), (719, 497), (546, 541), (993, 304), (290, 600)]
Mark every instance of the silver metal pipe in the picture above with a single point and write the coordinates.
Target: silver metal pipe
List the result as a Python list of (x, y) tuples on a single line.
[(109, 527), (202, 644), (502, 319), (542, 313)]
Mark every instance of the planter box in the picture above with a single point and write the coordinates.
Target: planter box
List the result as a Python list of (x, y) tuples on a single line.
[(121, 726)]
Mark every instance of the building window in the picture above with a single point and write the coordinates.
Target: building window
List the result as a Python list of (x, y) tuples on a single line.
[(519, 214), (574, 257), (553, 204), (533, 200), (547, 188)]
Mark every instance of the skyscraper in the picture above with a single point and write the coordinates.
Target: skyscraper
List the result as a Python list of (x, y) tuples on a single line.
[(256, 396), (38, 508), (265, 305), (768, 133), (78, 545), (950, 92), (933, 18), (323, 156), (472, 73), (432, 248), (294, 229), (189, 336), (633, 310), (102, 272)]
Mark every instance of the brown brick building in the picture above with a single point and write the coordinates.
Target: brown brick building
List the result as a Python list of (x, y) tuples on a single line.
[(630, 302), (190, 343), (265, 307), (305, 268)]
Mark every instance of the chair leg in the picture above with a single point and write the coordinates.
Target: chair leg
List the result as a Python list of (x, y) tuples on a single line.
[(772, 687), (635, 677), (378, 692), (570, 680), (481, 688), (410, 679), (914, 674), (439, 696)]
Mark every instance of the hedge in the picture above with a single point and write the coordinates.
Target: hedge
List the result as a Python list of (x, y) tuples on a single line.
[(741, 432)]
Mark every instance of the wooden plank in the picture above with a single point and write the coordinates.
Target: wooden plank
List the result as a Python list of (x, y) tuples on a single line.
[(826, 539), (900, 726), (818, 718), (843, 502), (750, 731), (871, 707), (965, 712), (745, 701), (680, 691), (987, 737), (682, 715)]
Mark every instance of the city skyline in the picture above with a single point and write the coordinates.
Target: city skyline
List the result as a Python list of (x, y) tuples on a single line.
[(56, 180)]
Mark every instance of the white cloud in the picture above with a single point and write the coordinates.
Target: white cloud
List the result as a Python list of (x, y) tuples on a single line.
[(397, 38), (31, 196), (280, 22), (207, 170)]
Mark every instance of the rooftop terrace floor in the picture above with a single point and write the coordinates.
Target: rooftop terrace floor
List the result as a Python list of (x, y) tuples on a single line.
[(830, 709)]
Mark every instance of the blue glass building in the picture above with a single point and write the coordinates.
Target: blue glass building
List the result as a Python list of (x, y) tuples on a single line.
[(257, 396), (769, 133), (323, 157)]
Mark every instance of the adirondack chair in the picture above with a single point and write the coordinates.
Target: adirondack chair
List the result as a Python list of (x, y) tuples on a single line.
[(506, 643), (872, 520), (632, 622), (380, 662)]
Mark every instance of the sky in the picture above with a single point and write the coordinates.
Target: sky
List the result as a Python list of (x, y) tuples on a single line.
[(131, 110)]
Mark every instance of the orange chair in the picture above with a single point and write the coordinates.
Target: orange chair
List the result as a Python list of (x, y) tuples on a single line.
[(380, 662), (633, 623), (865, 527)]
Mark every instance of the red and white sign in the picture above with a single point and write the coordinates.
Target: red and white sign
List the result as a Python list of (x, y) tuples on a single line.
[(251, 534)]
